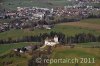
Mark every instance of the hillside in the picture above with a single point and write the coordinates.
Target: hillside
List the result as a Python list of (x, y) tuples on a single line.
[(12, 4)]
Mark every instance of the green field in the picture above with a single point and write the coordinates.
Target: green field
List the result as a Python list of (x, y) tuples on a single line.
[(17, 61), (70, 53), (5, 48), (93, 21), (67, 30), (58, 53), (12, 4), (88, 45)]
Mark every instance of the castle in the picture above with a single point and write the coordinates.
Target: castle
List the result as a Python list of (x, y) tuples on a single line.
[(52, 41)]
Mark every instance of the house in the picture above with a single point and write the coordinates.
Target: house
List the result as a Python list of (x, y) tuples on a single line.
[(20, 50), (29, 48), (25, 49), (39, 15), (51, 42), (47, 27)]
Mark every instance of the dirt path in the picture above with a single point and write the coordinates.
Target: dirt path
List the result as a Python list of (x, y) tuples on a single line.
[(83, 25)]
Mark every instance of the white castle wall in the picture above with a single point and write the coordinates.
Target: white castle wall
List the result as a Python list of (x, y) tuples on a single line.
[(52, 43)]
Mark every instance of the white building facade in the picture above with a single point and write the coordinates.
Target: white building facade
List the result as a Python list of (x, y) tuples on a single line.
[(52, 42)]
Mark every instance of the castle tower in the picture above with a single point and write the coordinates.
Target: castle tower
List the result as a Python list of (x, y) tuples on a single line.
[(56, 39), (46, 41)]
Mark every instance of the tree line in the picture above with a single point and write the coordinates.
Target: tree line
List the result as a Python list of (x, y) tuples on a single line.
[(78, 38)]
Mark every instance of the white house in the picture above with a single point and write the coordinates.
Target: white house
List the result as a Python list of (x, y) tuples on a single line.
[(39, 15), (47, 27), (21, 51), (51, 42)]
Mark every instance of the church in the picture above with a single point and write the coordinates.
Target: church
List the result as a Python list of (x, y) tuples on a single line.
[(51, 41)]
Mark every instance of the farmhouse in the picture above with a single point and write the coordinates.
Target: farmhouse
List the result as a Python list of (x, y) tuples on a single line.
[(51, 41)]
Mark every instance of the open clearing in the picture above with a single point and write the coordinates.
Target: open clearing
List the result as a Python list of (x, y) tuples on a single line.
[(83, 25)]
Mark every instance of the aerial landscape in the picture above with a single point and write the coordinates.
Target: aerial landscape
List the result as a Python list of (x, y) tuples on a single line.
[(49, 32)]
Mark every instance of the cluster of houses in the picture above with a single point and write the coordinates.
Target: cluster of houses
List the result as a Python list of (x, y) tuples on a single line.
[(96, 1), (33, 13), (28, 16), (26, 49), (23, 25), (24, 17), (30, 13), (36, 13)]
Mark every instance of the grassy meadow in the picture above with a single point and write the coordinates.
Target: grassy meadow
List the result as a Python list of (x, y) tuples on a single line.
[(70, 53), (16, 61), (58, 53), (93, 21), (5, 48), (67, 30), (12, 4)]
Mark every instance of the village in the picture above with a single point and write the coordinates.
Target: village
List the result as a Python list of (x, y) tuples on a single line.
[(36, 17)]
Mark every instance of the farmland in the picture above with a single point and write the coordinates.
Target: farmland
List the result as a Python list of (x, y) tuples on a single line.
[(86, 23), (7, 47), (76, 53), (19, 61), (93, 21), (67, 30), (12, 4)]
